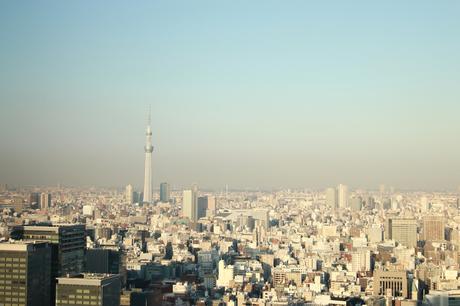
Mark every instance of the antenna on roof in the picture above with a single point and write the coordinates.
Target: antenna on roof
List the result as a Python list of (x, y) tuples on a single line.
[(149, 115)]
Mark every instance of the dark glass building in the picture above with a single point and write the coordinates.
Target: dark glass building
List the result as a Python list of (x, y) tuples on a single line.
[(25, 274), (68, 242)]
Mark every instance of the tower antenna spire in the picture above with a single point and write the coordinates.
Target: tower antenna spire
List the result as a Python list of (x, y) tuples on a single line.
[(149, 117)]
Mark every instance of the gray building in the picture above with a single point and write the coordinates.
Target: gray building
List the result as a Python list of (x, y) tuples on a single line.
[(164, 192), (202, 206), (356, 203)]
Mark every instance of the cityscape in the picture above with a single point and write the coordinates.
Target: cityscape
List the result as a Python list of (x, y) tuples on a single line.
[(234, 204)]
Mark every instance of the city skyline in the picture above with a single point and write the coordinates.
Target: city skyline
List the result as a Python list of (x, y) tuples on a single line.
[(302, 95), (229, 153)]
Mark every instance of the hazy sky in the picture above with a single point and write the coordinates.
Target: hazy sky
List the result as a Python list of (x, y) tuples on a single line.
[(244, 93)]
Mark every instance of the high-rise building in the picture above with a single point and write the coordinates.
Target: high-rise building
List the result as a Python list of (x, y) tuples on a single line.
[(356, 203), (212, 206), (25, 276), (34, 199), (262, 217), (88, 289), (403, 231), (103, 261), (361, 260), (189, 205), (107, 261), (137, 197), (202, 206), (342, 196), (433, 228), (331, 197), (129, 194), (68, 243), (370, 203), (45, 201), (375, 233), (148, 164), (164, 192)]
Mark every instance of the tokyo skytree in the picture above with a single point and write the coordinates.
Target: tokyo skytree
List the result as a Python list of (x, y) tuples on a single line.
[(148, 163)]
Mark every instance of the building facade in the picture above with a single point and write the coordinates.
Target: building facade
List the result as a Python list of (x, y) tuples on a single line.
[(164, 192), (25, 274), (88, 289)]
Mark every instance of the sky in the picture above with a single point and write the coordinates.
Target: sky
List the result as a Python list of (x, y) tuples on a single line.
[(249, 94)]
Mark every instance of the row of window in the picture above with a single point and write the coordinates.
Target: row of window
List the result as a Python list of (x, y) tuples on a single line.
[(15, 288), (22, 265), (12, 293), (8, 299), (12, 270), (13, 259), (8, 276), (73, 302), (11, 282), (81, 297)]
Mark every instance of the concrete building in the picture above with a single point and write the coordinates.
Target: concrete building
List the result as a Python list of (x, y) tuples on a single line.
[(403, 231), (443, 297), (226, 274), (342, 196), (88, 289), (356, 203), (395, 283), (361, 260), (189, 205), (375, 233), (331, 197), (212, 206), (45, 201), (129, 194), (433, 228)]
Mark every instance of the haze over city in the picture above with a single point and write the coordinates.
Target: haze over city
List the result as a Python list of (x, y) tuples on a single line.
[(248, 94), (229, 153)]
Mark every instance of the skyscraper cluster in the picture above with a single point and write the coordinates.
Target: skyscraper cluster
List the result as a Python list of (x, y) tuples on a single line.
[(337, 197)]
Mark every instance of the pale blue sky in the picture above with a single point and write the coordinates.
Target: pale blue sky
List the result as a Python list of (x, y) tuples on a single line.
[(245, 93)]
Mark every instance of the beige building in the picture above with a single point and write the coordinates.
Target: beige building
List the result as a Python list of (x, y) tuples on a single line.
[(403, 231), (433, 228), (391, 282)]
